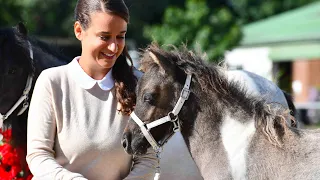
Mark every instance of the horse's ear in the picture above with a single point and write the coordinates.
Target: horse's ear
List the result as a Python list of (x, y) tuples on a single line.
[(22, 29), (165, 65)]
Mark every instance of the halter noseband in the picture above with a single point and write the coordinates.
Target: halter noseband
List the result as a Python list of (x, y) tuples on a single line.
[(171, 117), (23, 98)]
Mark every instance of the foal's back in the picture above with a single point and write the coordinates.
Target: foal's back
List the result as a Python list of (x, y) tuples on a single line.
[(298, 158), (259, 86)]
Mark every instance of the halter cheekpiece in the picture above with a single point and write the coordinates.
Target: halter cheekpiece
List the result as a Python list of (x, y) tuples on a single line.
[(23, 98)]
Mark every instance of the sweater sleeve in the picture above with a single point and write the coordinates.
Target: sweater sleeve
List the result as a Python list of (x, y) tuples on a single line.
[(144, 167), (41, 134)]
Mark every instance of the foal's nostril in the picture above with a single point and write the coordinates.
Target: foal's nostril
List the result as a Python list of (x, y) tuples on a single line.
[(125, 141)]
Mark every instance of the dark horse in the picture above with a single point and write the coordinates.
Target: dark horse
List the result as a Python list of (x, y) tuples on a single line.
[(230, 133), (21, 61)]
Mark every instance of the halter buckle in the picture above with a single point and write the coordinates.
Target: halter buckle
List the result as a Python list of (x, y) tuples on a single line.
[(185, 93)]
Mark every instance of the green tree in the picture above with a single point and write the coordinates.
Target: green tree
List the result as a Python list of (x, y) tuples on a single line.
[(144, 12), (211, 27), (49, 18), (10, 13)]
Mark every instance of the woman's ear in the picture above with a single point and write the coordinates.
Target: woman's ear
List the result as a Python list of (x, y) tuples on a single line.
[(78, 31)]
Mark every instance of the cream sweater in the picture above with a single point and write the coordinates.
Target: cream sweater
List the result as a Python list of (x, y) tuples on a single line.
[(75, 132)]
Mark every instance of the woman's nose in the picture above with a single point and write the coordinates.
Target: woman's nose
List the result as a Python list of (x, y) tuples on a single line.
[(113, 47)]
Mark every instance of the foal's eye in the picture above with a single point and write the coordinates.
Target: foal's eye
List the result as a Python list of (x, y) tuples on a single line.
[(148, 97)]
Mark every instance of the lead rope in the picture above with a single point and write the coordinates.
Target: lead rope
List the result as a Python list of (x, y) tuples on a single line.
[(158, 169)]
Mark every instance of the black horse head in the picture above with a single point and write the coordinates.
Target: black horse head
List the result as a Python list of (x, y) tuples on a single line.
[(21, 57), (15, 66)]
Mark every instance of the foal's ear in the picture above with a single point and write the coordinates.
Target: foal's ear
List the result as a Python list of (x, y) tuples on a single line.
[(165, 65), (22, 29)]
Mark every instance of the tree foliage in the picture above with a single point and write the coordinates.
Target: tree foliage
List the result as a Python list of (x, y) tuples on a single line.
[(209, 26), (50, 17), (45, 18), (213, 26), (146, 12), (10, 12)]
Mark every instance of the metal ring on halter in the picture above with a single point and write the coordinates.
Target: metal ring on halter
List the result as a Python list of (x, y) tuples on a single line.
[(25, 104), (172, 116), (174, 119)]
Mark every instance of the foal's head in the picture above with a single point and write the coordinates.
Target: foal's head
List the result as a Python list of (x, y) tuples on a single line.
[(14, 65), (157, 93), (212, 96)]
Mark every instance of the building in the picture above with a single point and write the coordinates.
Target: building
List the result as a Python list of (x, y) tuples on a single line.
[(285, 48)]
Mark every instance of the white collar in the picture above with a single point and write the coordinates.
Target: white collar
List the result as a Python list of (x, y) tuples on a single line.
[(87, 82)]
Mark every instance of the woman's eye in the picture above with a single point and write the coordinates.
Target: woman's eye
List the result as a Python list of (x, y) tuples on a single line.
[(121, 37), (104, 38)]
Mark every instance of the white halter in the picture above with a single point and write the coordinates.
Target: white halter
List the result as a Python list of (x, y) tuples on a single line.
[(24, 97), (171, 117)]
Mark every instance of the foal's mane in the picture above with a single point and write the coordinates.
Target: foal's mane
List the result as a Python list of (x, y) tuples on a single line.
[(212, 79)]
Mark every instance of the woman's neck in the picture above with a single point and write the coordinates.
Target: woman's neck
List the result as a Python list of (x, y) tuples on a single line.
[(92, 69)]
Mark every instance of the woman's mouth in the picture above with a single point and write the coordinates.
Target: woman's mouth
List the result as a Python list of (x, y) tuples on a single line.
[(107, 55)]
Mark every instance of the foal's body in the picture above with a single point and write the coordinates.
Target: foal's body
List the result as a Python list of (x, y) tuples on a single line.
[(231, 133), (241, 151), (176, 150)]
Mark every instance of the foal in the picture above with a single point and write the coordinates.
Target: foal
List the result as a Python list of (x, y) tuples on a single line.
[(230, 133)]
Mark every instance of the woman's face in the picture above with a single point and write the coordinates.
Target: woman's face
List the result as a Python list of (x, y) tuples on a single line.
[(103, 41)]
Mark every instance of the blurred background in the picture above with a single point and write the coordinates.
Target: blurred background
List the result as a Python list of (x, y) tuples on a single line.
[(277, 39)]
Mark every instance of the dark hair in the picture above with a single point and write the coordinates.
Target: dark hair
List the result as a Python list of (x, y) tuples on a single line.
[(85, 7), (125, 81)]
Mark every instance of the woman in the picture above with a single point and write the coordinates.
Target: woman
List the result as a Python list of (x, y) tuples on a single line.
[(78, 111)]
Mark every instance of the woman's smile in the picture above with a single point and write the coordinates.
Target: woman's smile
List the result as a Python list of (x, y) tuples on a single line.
[(108, 56)]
